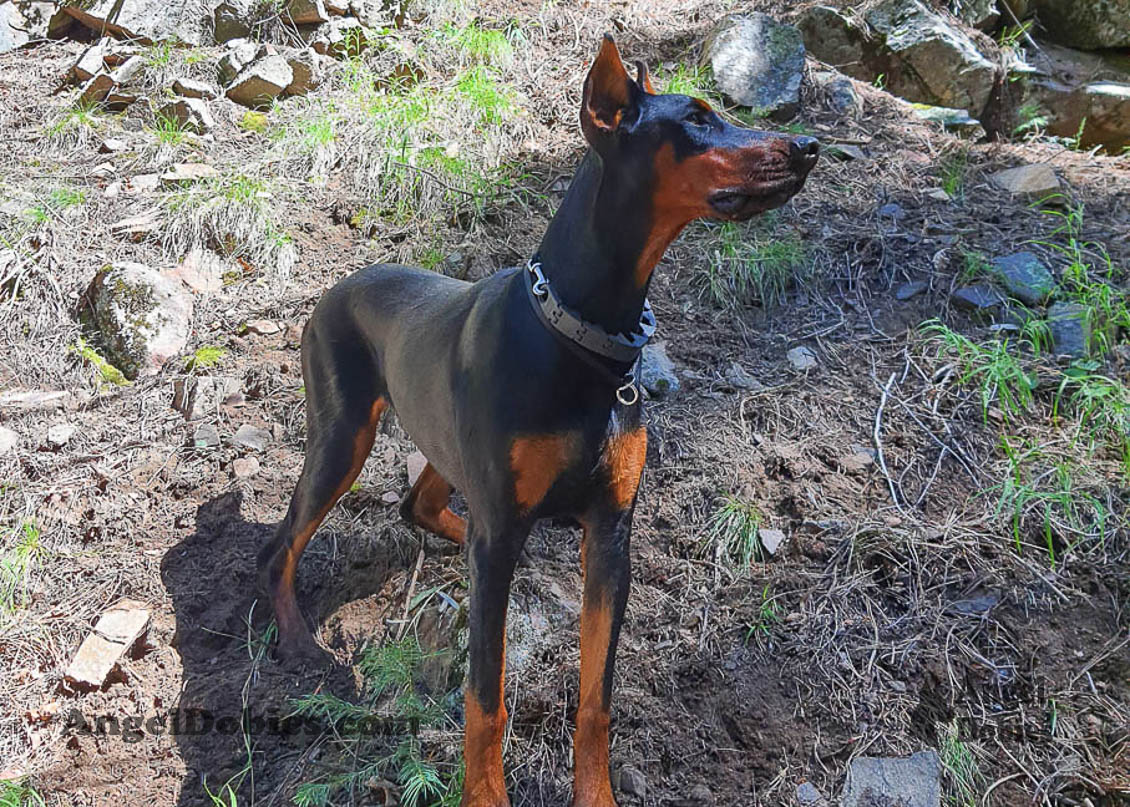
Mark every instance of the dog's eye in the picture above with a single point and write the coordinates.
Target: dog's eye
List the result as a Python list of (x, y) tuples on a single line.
[(698, 117)]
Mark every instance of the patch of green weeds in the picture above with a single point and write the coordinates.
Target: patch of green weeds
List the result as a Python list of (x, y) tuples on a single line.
[(752, 264), (732, 532), (993, 367), (1030, 119), (54, 205), (19, 793), (486, 94), (480, 44), (962, 772), (952, 177), (76, 126), (974, 265), (390, 673), (168, 130), (205, 358), (110, 375), (22, 548), (768, 615), (252, 121)]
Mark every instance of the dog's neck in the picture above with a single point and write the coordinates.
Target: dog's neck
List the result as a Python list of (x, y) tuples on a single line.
[(600, 245)]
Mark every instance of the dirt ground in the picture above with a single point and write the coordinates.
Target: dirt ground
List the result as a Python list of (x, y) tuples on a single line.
[(881, 627)]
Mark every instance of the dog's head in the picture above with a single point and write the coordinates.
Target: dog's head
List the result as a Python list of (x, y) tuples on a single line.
[(702, 166)]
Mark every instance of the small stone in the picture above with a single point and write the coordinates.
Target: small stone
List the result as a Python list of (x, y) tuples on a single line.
[(845, 152), (60, 434), (913, 781), (201, 270), (104, 169), (1070, 325), (1025, 277), (859, 460), (801, 358), (843, 98), (112, 145), (263, 327), (390, 497), (128, 70), (939, 195), (771, 539), (977, 298), (189, 172), (201, 396), (139, 225), (258, 84), (342, 38), (892, 210), (808, 796), (206, 436), (34, 399), (144, 183), (245, 467), (739, 378), (193, 88), (191, 114), (90, 63), (657, 371), (307, 12), (913, 288), (242, 53), (416, 462), (8, 440), (304, 67), (956, 120), (633, 782), (252, 437), (96, 89), (115, 633), (1032, 181), (700, 796)]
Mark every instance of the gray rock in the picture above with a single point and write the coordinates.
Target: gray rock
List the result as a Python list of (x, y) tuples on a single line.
[(758, 62), (954, 120), (1070, 325), (231, 19), (193, 88), (739, 378), (913, 288), (374, 13), (8, 440), (843, 98), (921, 56), (892, 210), (258, 84), (801, 358), (808, 796), (657, 371), (245, 467), (206, 436), (128, 70), (309, 67), (844, 152), (415, 464), (191, 114), (146, 21), (22, 22), (913, 781), (1025, 277), (252, 437), (196, 397), (242, 53), (1030, 181), (977, 298), (981, 14), (700, 796), (633, 782), (139, 317), (60, 434), (771, 539), (1085, 24), (97, 89), (91, 62), (1097, 113)]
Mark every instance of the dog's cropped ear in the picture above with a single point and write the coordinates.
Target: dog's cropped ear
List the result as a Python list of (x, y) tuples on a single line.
[(643, 78), (609, 97)]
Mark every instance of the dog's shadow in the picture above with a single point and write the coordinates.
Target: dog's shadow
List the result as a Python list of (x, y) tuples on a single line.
[(227, 720)]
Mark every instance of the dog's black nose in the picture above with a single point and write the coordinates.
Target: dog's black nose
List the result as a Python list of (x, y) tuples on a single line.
[(803, 151)]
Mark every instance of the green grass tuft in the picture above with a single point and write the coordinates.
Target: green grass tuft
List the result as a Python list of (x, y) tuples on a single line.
[(19, 552), (205, 357), (732, 532), (750, 266), (110, 375)]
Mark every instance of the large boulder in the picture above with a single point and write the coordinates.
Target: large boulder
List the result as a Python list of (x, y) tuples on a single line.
[(139, 317), (22, 22), (920, 54), (258, 84), (146, 21), (758, 62), (1086, 24)]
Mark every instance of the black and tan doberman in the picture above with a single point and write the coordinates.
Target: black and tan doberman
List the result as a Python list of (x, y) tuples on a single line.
[(520, 390)]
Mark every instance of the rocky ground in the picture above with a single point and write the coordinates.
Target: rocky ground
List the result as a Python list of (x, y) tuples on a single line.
[(884, 514)]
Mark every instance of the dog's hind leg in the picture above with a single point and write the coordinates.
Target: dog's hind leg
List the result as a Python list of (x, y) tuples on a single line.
[(426, 506), (343, 407)]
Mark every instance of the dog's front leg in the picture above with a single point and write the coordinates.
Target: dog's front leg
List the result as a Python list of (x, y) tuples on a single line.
[(607, 574), (492, 555)]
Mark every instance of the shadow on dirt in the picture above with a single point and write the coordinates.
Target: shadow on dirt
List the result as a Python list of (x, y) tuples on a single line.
[(231, 717)]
